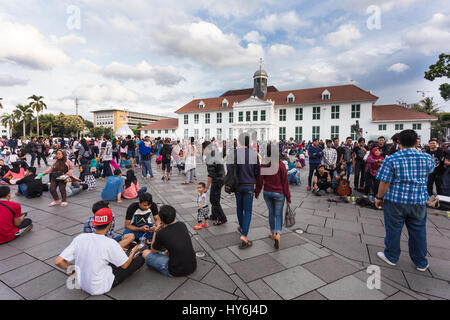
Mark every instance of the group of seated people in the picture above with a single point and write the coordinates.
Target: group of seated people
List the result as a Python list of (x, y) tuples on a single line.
[(117, 187)]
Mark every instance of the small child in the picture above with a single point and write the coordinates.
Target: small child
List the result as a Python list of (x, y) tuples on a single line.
[(124, 162), (203, 208)]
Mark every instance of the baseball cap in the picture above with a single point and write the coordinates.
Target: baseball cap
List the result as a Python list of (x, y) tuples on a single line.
[(102, 217)]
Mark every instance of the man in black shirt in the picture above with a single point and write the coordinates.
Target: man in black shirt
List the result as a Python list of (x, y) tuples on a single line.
[(216, 173), (395, 146), (436, 176), (339, 150), (166, 155), (30, 187), (171, 251), (138, 221), (382, 146), (322, 180), (358, 162), (131, 144)]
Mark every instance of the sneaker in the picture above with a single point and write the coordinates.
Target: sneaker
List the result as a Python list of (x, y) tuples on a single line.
[(383, 257), (22, 231), (198, 227), (423, 269), (205, 225)]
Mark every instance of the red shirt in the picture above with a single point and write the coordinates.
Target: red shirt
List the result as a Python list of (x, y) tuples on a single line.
[(7, 227), (275, 183)]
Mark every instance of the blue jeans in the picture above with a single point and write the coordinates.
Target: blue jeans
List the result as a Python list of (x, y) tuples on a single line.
[(275, 203), (159, 262), (142, 190), (147, 168), (131, 154), (139, 234), (294, 176), (244, 204), (348, 169), (415, 218), (23, 190)]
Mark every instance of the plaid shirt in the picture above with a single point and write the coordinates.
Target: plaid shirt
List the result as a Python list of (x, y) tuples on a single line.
[(329, 157), (89, 228), (407, 171)]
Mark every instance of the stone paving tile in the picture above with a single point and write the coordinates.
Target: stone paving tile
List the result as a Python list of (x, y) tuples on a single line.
[(313, 295), (348, 248), (325, 214), (101, 297), (223, 229), (50, 248), (313, 237), (316, 249), (258, 233), (400, 296), (287, 240), (350, 288), (192, 290), (319, 230), (224, 240), (218, 279), (76, 229), (344, 225), (385, 288), (257, 267), (439, 253), (374, 230), (438, 241), (203, 267), (293, 256), (439, 268), (305, 220), (346, 217), (62, 293), (7, 293), (314, 205), (42, 285), (330, 268), (15, 262), (263, 291), (228, 256), (430, 286), (293, 282), (146, 284), (259, 247), (7, 251), (25, 273)]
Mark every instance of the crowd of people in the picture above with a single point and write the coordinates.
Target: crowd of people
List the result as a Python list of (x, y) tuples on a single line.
[(152, 235)]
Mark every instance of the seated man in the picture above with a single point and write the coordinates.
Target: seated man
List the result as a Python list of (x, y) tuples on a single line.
[(3, 168), (322, 180), (138, 221), (114, 187), (12, 222), (124, 241), (30, 187), (293, 174), (171, 251), (100, 262), (338, 175)]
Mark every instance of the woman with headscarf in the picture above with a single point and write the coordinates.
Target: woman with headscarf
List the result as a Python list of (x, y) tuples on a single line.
[(373, 164)]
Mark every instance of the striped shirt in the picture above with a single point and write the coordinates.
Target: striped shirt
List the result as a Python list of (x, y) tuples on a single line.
[(407, 172)]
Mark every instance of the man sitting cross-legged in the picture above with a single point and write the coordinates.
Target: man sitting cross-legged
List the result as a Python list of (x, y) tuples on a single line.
[(100, 262)]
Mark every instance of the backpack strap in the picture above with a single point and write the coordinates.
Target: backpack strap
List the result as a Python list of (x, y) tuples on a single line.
[(7, 207)]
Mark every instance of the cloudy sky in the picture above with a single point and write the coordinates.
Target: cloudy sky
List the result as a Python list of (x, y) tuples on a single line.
[(156, 55)]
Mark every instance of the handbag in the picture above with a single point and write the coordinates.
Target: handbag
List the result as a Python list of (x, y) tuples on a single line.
[(231, 180), (289, 217)]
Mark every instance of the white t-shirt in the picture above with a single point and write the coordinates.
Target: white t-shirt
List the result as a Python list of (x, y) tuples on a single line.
[(92, 254), (107, 155)]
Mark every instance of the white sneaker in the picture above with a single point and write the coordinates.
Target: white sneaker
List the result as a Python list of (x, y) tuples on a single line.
[(423, 269), (383, 257)]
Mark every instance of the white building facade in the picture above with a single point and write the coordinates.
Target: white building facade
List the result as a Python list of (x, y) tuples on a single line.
[(304, 114)]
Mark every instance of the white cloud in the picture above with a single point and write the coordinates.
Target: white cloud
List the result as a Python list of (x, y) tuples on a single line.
[(23, 44), (254, 36), (344, 36), (281, 50), (432, 36), (318, 51), (105, 92), (204, 42), (398, 67), (385, 5), (88, 66), (9, 81), (287, 21), (68, 41)]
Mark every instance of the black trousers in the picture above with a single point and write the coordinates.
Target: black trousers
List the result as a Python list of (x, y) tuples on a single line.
[(121, 274), (359, 174), (434, 178), (312, 168), (323, 185), (214, 197), (371, 184)]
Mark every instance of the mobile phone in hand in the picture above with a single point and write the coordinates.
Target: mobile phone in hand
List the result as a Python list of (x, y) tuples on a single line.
[(25, 214)]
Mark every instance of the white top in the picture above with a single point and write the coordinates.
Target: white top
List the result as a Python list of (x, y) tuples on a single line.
[(200, 199), (107, 155), (92, 254)]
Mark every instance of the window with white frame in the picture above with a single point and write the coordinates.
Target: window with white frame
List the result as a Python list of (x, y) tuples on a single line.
[(219, 134), (231, 117), (316, 132), (201, 105), (207, 134), (282, 131), (356, 111), (326, 95), (263, 115), (241, 116), (186, 134), (382, 127), (298, 114), (230, 133), (334, 132), (290, 98), (196, 134), (186, 119), (207, 118), (316, 113), (398, 126), (417, 126), (353, 134), (298, 133), (225, 103), (247, 116), (219, 117), (282, 114), (196, 117), (335, 112), (255, 115)]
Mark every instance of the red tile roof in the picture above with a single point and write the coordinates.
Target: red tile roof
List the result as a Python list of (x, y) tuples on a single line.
[(163, 124), (246, 91), (303, 96), (393, 112)]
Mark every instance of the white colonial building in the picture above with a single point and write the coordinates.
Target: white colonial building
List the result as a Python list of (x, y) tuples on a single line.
[(301, 114)]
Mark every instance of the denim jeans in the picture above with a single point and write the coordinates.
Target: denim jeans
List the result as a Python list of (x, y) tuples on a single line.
[(415, 218), (142, 190), (294, 176), (159, 262), (139, 234), (23, 190), (244, 204), (275, 203), (147, 168), (348, 169)]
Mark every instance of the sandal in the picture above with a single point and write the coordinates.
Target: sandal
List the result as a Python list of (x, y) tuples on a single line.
[(245, 245), (54, 203), (239, 229), (64, 204), (218, 223)]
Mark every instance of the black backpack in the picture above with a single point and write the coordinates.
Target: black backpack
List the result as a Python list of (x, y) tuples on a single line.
[(27, 148), (231, 180)]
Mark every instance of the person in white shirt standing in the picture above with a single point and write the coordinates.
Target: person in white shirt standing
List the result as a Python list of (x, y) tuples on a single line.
[(100, 262)]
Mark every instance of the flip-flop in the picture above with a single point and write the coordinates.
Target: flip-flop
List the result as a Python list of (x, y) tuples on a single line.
[(239, 229), (245, 245), (218, 223)]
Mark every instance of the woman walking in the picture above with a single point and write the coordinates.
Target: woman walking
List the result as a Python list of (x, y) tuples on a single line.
[(276, 191), (190, 162), (60, 170)]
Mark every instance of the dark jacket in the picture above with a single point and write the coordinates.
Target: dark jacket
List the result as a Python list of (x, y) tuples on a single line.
[(34, 187), (248, 172), (315, 155), (216, 172)]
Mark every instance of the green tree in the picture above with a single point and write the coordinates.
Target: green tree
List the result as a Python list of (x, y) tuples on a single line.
[(37, 105), (441, 69), (427, 106), (23, 113), (88, 124), (1, 106), (8, 120), (46, 123)]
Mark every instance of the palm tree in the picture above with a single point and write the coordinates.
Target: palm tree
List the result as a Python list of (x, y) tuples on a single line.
[(8, 120), (37, 105), (23, 113)]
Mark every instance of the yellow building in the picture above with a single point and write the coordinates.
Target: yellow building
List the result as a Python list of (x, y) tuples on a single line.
[(115, 118)]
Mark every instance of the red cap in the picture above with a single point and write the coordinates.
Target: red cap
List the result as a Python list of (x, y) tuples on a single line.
[(102, 217)]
